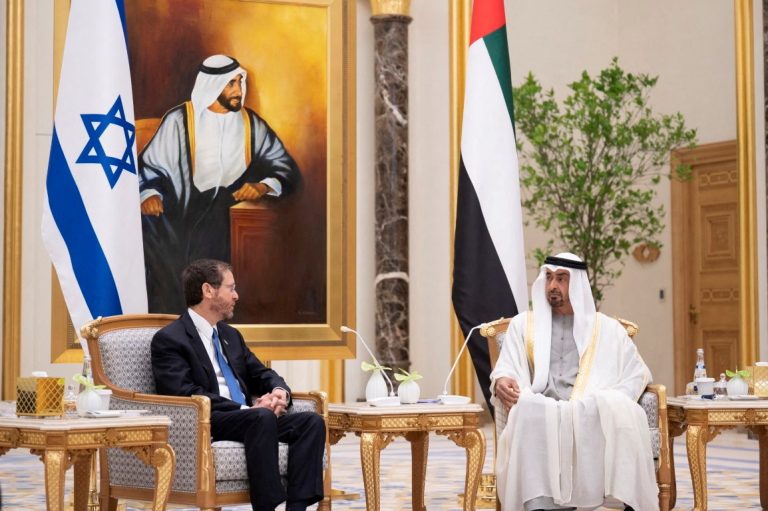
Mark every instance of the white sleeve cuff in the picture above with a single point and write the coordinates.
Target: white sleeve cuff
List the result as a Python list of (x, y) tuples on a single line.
[(146, 194), (276, 188)]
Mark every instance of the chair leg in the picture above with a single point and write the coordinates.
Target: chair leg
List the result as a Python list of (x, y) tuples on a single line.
[(111, 504), (664, 497), (325, 504)]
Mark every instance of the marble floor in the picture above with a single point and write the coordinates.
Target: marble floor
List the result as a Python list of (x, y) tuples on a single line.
[(732, 463)]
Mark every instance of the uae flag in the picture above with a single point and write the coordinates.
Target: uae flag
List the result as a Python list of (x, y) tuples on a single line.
[(489, 279)]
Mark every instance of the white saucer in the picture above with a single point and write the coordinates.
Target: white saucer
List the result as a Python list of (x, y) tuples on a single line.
[(452, 399), (101, 414), (385, 401)]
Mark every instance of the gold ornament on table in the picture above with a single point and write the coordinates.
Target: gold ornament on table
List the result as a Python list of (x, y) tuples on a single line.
[(40, 396), (758, 384)]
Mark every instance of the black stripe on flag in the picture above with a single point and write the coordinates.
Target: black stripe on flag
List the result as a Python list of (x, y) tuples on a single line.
[(481, 291)]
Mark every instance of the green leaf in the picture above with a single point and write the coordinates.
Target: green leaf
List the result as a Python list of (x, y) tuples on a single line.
[(743, 373), (404, 376), (87, 382), (367, 366)]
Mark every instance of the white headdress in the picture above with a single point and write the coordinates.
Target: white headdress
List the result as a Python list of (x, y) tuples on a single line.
[(580, 294), (215, 72)]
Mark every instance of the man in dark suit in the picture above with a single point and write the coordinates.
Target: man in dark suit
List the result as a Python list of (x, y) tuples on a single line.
[(200, 354)]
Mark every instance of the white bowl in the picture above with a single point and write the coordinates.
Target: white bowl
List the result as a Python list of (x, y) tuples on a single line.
[(385, 401), (452, 399)]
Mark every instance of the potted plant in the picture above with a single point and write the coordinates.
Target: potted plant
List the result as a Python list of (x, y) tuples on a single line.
[(590, 166), (376, 386), (737, 385), (88, 400), (408, 390)]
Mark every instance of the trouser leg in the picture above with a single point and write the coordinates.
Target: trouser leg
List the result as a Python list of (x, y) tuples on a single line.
[(305, 435), (257, 429)]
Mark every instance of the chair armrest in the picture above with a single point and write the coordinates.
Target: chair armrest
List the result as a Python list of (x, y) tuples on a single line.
[(189, 434), (313, 401), (665, 473), (661, 394)]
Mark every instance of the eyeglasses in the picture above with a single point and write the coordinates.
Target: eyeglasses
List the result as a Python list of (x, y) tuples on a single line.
[(231, 287)]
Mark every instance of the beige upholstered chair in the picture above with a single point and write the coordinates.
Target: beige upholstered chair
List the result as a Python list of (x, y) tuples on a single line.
[(207, 475), (653, 401)]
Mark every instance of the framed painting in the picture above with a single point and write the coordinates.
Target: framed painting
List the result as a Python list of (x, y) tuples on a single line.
[(269, 189)]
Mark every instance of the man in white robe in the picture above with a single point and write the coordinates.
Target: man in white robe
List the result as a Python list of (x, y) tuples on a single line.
[(575, 436), (207, 154)]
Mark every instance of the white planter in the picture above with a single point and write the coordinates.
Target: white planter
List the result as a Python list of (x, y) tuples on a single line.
[(737, 386), (376, 386), (88, 401), (409, 392)]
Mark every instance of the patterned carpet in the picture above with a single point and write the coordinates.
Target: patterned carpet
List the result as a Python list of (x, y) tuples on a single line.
[(732, 463)]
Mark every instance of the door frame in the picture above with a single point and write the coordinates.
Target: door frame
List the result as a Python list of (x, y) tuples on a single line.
[(704, 154)]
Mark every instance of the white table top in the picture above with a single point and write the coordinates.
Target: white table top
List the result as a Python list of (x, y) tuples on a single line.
[(366, 409), (67, 424), (714, 404)]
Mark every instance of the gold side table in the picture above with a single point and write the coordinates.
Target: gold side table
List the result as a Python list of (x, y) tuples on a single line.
[(703, 420), (378, 426), (61, 443)]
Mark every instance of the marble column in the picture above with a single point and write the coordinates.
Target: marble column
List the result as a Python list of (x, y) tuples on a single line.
[(390, 20)]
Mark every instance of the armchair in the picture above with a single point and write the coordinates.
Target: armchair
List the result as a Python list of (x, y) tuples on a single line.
[(653, 402), (208, 475)]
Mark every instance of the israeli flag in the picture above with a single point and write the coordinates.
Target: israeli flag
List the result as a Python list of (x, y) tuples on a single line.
[(91, 219)]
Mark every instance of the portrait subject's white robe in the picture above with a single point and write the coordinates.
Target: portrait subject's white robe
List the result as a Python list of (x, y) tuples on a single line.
[(592, 449)]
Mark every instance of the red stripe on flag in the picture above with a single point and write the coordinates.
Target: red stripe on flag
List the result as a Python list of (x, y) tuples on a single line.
[(487, 16)]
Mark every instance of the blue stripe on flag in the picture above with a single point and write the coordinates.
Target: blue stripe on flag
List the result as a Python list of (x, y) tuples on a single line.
[(121, 10), (90, 266)]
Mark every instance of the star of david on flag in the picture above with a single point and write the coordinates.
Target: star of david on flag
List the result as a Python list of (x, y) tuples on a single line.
[(94, 152), (91, 225)]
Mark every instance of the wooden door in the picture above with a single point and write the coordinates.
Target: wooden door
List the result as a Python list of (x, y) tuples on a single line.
[(705, 259)]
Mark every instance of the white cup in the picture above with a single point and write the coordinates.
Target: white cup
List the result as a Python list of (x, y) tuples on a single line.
[(705, 386), (104, 394)]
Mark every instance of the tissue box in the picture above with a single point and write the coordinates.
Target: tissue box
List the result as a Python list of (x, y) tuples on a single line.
[(40, 397), (759, 380)]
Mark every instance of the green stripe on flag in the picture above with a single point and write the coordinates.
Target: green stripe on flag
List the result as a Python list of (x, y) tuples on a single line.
[(498, 50)]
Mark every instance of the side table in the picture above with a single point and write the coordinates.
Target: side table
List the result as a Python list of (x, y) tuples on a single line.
[(378, 426), (703, 420), (61, 443)]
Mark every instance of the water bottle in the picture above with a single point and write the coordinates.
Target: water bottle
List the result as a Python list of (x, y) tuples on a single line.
[(87, 372), (700, 371)]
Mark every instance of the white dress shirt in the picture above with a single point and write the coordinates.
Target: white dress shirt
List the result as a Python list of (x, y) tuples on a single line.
[(205, 330)]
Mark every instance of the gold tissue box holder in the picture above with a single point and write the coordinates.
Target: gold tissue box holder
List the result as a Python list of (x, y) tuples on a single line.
[(40, 397), (759, 380)]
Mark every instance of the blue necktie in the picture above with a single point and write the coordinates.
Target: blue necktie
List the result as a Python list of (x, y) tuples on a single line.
[(226, 370)]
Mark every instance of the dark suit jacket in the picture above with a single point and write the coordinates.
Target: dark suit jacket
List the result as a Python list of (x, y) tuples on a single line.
[(182, 368)]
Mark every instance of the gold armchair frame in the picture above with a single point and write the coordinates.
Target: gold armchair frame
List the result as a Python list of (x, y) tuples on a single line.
[(205, 496), (664, 471)]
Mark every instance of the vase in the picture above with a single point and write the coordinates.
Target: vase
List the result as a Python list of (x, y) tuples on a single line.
[(737, 386), (88, 401), (376, 386), (409, 392)]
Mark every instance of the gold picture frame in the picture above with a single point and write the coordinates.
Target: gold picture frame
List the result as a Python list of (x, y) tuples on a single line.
[(277, 341)]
